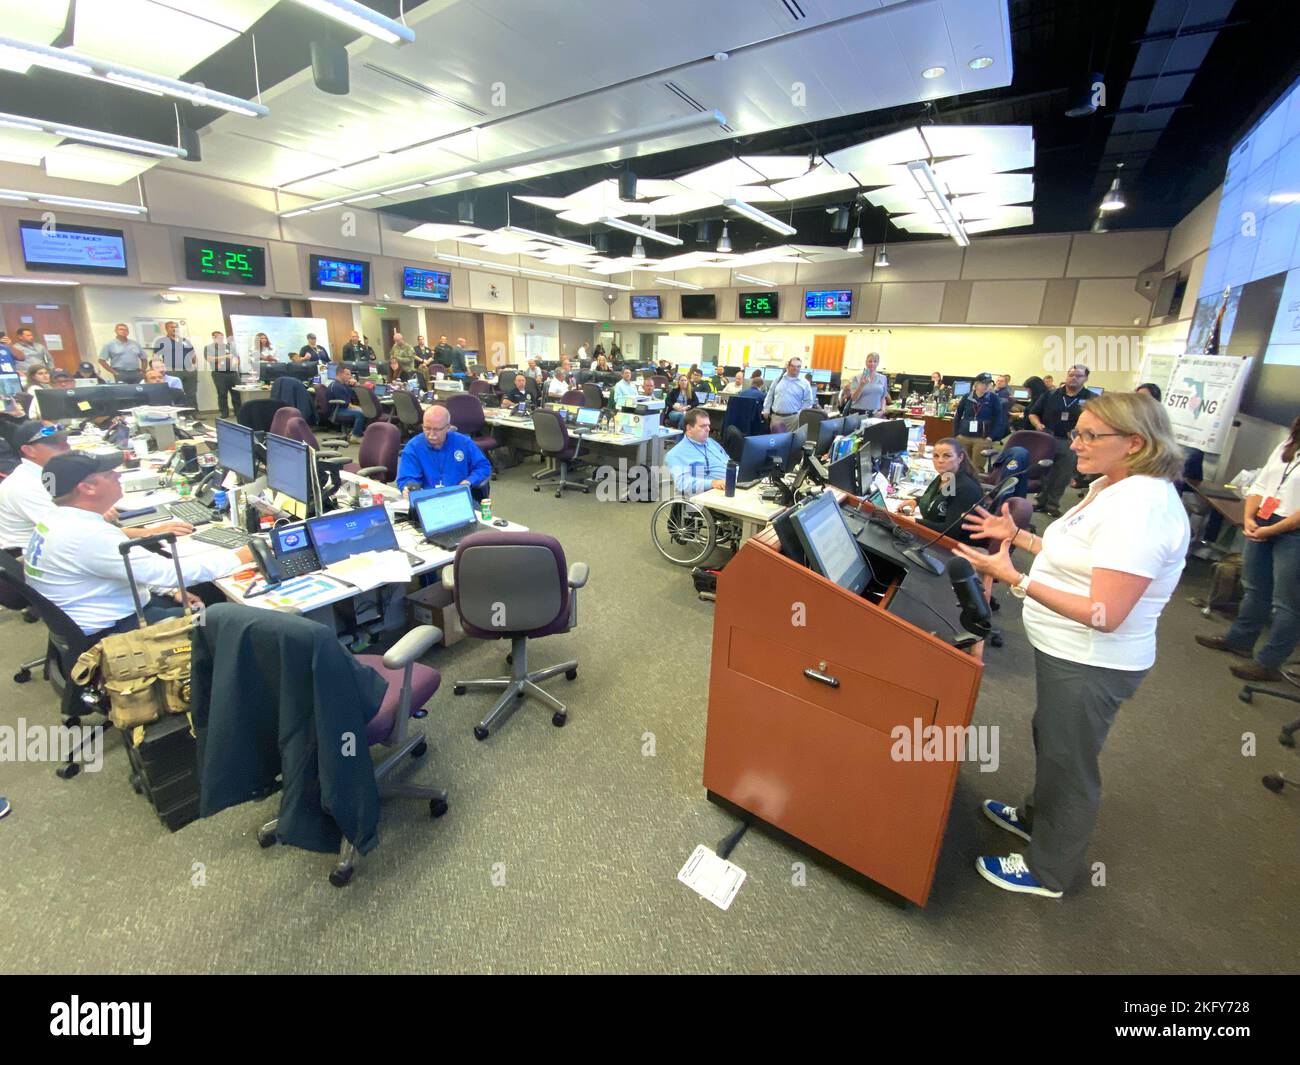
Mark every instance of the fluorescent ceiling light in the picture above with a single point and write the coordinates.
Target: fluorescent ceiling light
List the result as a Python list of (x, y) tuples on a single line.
[(362, 19), (92, 205), (641, 231), (548, 237), (938, 200), (761, 217), (34, 281), (401, 188), (452, 177), (678, 284), (22, 54), (92, 136), (358, 199), (330, 299), (618, 138), (210, 291), (753, 280)]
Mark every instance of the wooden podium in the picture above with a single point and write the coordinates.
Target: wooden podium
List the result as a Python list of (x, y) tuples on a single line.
[(815, 760)]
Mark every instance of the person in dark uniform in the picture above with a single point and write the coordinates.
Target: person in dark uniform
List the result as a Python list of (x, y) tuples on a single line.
[(954, 490), (1058, 413)]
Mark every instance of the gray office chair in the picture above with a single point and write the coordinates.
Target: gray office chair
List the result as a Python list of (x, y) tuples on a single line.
[(515, 586), (555, 443)]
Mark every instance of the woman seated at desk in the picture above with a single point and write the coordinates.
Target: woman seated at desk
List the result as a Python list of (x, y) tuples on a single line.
[(954, 490), (681, 399)]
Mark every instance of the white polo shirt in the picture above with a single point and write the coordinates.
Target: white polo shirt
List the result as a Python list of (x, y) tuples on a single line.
[(1136, 525), (1276, 478), (23, 502), (74, 561)]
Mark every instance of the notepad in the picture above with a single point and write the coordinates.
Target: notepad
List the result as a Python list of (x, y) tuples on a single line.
[(711, 877)]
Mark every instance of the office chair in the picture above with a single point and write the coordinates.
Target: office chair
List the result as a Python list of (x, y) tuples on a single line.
[(326, 409), (291, 391), (370, 406), (1022, 513), (12, 598), (257, 414), (407, 409), (437, 368), (660, 381), (228, 630), (1042, 453), (480, 388), (745, 413), (65, 645), (733, 442), (555, 443), (592, 396), (515, 586), (296, 429), (381, 446), (534, 391), (467, 416), (575, 397)]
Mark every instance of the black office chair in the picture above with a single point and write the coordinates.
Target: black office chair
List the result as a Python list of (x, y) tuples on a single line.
[(257, 414), (370, 406), (409, 413), (66, 644), (592, 396)]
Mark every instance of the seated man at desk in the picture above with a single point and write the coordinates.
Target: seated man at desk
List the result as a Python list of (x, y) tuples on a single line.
[(736, 385), (75, 562), (440, 456), (341, 388), (518, 392), (155, 375), (954, 491), (697, 462), (625, 391)]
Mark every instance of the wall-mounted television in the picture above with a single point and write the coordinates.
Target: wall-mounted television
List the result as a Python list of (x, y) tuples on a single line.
[(828, 303), (646, 307), (68, 249), (339, 275), (699, 305), (228, 264), (426, 284), (759, 305)]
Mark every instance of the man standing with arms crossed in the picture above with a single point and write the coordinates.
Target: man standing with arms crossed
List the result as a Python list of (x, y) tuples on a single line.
[(122, 356), (177, 355), (1058, 413)]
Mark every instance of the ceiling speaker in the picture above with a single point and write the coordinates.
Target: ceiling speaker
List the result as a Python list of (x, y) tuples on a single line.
[(329, 67), (627, 185)]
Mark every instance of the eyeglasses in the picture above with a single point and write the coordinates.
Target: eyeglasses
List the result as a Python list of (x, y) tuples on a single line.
[(1089, 437)]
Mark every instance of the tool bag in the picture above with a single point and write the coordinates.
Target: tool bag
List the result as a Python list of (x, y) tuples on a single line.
[(146, 673), (1226, 590)]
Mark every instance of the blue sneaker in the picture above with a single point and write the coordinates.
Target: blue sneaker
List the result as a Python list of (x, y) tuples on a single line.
[(1005, 816), (4, 806), (1012, 874)]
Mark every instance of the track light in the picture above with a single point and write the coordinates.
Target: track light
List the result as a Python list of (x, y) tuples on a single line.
[(724, 241), (627, 185), (882, 260), (855, 242), (638, 249), (1114, 198)]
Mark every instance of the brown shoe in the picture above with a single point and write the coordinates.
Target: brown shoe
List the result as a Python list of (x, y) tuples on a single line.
[(1218, 643), (1256, 672)]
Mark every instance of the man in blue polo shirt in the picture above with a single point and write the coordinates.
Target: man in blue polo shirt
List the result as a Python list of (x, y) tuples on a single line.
[(341, 389), (440, 457)]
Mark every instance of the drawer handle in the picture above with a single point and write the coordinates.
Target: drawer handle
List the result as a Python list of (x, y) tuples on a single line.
[(821, 678)]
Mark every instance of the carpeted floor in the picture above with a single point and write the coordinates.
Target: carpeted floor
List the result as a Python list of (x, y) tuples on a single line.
[(561, 848)]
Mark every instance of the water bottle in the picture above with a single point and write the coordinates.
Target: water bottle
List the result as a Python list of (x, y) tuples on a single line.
[(220, 500), (731, 478)]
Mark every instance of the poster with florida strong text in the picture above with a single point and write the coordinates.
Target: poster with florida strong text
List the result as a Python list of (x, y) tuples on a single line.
[(1202, 398)]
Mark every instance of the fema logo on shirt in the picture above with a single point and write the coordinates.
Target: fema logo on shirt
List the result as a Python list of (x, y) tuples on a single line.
[(459, 456)]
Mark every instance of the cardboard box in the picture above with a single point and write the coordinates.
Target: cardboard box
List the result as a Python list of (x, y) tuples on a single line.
[(433, 605)]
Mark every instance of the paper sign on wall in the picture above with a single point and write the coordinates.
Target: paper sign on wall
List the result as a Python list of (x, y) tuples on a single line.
[(53, 341), (1202, 399)]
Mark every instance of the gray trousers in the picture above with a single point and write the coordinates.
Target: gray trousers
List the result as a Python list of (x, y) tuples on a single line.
[(1064, 465), (1077, 705)]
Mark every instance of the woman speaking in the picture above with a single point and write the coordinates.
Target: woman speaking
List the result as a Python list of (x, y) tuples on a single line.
[(1101, 575)]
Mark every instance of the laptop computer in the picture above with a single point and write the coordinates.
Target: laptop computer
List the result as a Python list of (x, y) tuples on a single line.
[(344, 533), (446, 515)]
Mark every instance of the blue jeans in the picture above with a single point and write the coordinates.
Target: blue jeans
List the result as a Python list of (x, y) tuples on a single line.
[(1270, 573), (357, 419), (675, 418)]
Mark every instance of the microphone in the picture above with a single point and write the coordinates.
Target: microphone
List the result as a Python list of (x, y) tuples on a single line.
[(975, 616), (990, 495)]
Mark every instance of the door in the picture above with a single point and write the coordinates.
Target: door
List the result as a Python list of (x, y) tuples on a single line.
[(51, 325), (387, 327), (828, 353)]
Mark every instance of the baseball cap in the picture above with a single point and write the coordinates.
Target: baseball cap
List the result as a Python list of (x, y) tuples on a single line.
[(64, 472), (34, 432), (985, 377)]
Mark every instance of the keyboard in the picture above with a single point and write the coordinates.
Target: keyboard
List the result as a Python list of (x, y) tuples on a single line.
[(449, 539), (223, 536), (191, 510)]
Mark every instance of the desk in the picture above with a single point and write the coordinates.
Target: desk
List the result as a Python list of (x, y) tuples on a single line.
[(747, 505), (1234, 510), (637, 450)]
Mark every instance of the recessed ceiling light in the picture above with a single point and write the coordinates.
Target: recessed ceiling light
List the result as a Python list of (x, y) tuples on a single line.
[(980, 62), (934, 72)]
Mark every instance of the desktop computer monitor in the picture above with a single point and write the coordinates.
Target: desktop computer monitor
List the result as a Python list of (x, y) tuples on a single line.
[(772, 373), (235, 449), (887, 436), (288, 467), (770, 453), (1021, 395), (921, 386), (345, 533), (707, 368), (829, 429), (961, 386), (828, 544), (821, 377), (851, 423)]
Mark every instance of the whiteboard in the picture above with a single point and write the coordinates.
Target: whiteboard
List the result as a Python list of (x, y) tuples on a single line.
[(287, 335), (681, 350)]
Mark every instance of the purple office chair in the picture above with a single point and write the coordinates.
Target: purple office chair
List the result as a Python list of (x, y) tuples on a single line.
[(295, 428), (516, 587), (1021, 512), (575, 397), (554, 442), (326, 409), (1042, 453), (480, 388), (467, 416), (377, 456)]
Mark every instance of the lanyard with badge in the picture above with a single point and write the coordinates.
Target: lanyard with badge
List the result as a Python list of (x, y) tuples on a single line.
[(1270, 505), (1069, 405)]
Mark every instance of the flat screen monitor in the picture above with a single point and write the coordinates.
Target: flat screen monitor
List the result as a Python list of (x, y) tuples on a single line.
[(420, 284), (339, 275), (1020, 395), (821, 377), (67, 249), (961, 387), (440, 509), (587, 417), (699, 305), (828, 544), (827, 431), (769, 453), (345, 533), (772, 373), (759, 305), (708, 369), (235, 449), (828, 303), (224, 263), (646, 307), (885, 437), (287, 465)]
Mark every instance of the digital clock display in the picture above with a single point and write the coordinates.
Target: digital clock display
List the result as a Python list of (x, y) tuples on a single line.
[(227, 264), (758, 305)]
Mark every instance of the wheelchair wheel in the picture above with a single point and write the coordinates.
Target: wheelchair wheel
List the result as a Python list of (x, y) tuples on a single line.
[(683, 532)]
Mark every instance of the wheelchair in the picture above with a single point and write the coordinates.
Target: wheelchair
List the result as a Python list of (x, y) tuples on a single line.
[(686, 534)]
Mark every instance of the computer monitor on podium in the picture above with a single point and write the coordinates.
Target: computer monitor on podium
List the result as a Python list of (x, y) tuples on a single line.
[(828, 544)]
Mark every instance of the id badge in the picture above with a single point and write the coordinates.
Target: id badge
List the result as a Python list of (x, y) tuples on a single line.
[(974, 428), (1267, 508), (1065, 415)]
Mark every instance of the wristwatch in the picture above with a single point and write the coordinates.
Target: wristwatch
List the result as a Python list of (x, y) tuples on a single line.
[(1021, 588)]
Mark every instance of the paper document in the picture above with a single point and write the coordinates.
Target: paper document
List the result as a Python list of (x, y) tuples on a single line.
[(714, 878), (371, 569), (299, 594)]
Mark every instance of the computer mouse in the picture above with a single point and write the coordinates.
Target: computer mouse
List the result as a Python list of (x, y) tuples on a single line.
[(501, 522)]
